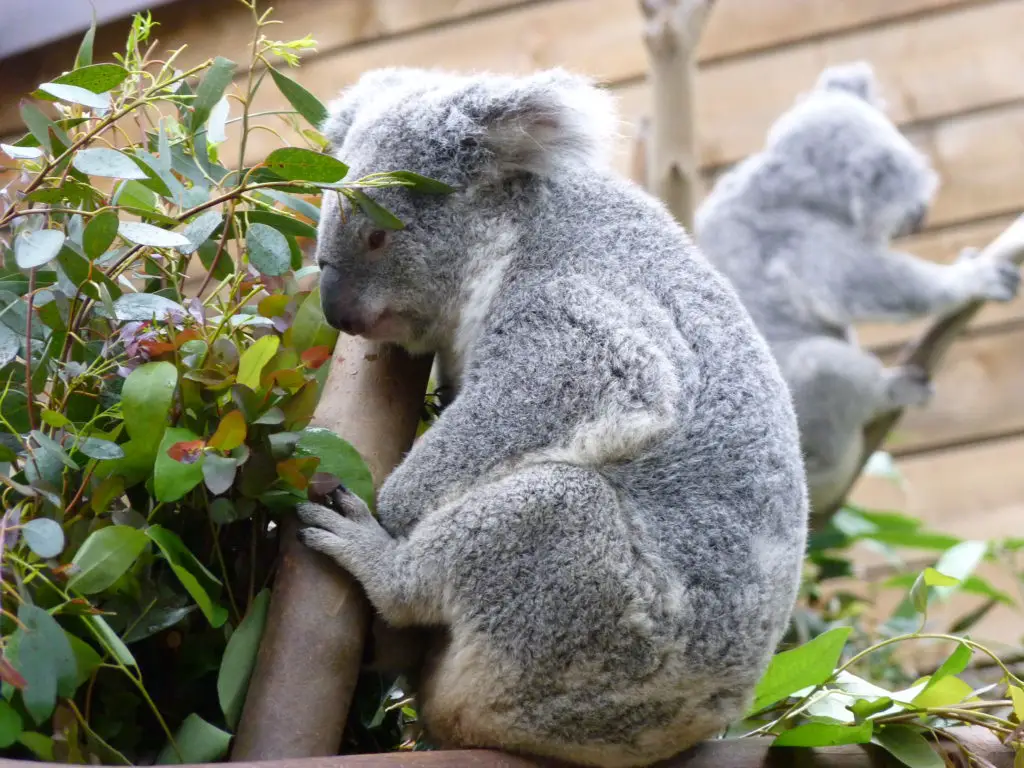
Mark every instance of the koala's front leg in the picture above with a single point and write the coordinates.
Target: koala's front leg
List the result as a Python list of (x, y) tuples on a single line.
[(394, 578)]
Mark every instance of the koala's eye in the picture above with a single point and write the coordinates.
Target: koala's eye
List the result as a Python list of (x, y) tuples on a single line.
[(376, 239)]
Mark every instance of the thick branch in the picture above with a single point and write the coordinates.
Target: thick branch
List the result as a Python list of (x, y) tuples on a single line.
[(672, 30), (931, 346), (309, 658)]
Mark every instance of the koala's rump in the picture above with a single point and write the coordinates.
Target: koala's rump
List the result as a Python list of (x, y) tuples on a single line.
[(567, 637)]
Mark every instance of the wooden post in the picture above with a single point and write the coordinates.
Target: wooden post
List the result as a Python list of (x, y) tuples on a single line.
[(928, 350), (672, 30), (309, 657)]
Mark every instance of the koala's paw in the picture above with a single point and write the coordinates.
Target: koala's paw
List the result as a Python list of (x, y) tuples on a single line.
[(995, 280), (908, 386), (347, 518)]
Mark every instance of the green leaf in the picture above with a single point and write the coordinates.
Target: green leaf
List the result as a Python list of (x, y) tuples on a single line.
[(215, 82), (108, 163), (198, 742), (1017, 697), (10, 343), (42, 128), (199, 230), (34, 249), (304, 102), (959, 562), (105, 556), (196, 579), (287, 225), (86, 660), (929, 577), (145, 307), (268, 250), (39, 745), (339, 458), (44, 536), (84, 56), (865, 708), (146, 234), (954, 665), (111, 640), (377, 213), (944, 692), (810, 664), (173, 479), (135, 197), (10, 725), (99, 234), (299, 164), (240, 659), (908, 746), (146, 399), (824, 735), (102, 450), (421, 183), (76, 95), (310, 327), (255, 359), (219, 473), (98, 78), (45, 660)]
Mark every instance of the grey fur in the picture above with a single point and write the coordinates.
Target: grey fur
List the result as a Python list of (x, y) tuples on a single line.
[(607, 521), (803, 231)]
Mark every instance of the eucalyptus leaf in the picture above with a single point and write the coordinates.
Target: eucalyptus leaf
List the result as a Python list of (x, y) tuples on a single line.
[(199, 230), (73, 94), (95, 448), (908, 746), (300, 164), (339, 458), (216, 80), (10, 725), (99, 234), (379, 215), (98, 78), (105, 162), (268, 250), (197, 741), (824, 735), (255, 359), (104, 557), (809, 664), (172, 479), (84, 56), (44, 659), (33, 249), (304, 102), (44, 536), (240, 658), (10, 343), (147, 234), (219, 473)]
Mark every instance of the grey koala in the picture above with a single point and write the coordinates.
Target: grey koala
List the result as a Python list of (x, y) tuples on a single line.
[(803, 228), (607, 521)]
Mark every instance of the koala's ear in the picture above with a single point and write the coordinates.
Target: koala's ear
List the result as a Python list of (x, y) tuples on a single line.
[(342, 111), (857, 78), (537, 123)]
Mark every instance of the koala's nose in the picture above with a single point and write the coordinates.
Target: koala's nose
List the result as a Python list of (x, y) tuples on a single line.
[(337, 305)]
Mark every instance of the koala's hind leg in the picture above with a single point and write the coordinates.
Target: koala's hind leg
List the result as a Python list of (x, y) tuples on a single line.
[(837, 389)]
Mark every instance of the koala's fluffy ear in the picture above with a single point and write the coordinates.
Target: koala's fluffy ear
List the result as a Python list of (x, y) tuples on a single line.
[(536, 123), (857, 78)]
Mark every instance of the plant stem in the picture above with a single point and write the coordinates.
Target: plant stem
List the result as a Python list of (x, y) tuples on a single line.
[(29, 409)]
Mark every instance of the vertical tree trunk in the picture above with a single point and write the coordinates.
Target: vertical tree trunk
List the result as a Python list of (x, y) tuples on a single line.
[(310, 654), (672, 30)]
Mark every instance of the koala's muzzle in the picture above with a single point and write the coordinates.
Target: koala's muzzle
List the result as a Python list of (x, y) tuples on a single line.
[(340, 304)]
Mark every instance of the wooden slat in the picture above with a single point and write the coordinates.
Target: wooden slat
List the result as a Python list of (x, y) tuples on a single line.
[(978, 394)]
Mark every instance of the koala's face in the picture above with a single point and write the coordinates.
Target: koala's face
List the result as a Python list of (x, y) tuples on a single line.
[(839, 152)]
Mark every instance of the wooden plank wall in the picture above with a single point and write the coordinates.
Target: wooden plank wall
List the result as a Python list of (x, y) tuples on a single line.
[(952, 72)]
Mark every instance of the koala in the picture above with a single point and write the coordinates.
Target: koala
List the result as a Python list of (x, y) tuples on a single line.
[(604, 529), (802, 229)]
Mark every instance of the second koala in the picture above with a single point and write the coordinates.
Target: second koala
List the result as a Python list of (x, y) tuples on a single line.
[(802, 229), (607, 522)]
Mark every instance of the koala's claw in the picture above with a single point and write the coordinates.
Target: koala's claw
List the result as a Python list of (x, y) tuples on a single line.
[(319, 516), (908, 386), (998, 280)]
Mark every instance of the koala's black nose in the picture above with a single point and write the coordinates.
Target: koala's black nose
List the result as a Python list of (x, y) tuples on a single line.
[(346, 324)]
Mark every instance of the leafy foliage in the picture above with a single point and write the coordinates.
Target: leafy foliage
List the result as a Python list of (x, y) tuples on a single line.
[(162, 350)]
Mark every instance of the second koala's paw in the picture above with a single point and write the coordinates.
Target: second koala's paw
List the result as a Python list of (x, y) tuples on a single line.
[(996, 280), (908, 386)]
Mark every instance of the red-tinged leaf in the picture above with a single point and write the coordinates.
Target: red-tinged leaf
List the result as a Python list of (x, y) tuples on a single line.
[(62, 572), (188, 335), (230, 432), (156, 348), (188, 452), (10, 675), (273, 306), (298, 471), (287, 378), (314, 357)]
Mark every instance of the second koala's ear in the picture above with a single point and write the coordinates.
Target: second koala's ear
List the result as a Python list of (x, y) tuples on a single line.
[(534, 124), (856, 77)]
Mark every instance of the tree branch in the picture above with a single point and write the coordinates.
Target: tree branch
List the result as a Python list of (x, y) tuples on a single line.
[(931, 346), (672, 30)]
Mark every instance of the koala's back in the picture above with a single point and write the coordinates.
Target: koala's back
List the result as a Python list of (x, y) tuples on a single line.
[(656, 581)]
